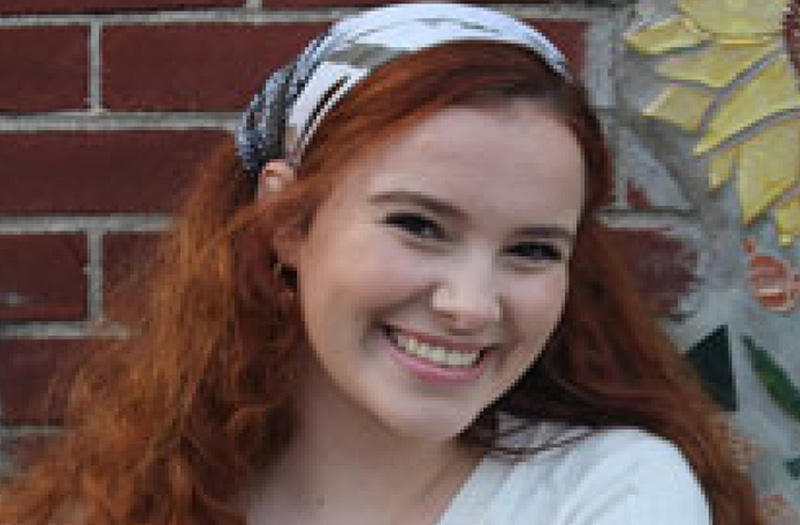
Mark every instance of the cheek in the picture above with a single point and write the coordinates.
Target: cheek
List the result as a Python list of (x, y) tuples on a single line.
[(536, 314), (534, 310), (359, 274), (538, 309)]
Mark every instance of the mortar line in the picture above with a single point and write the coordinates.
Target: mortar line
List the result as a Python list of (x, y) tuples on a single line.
[(554, 11), (95, 71), (87, 121), (239, 15), (65, 330), (94, 275), (43, 224), (10, 430), (252, 12)]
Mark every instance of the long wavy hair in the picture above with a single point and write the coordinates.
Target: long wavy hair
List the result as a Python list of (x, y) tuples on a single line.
[(165, 426)]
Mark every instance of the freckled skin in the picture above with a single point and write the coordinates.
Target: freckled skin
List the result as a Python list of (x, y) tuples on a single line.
[(471, 277)]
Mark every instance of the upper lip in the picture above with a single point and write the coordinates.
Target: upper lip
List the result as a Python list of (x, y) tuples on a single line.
[(446, 342)]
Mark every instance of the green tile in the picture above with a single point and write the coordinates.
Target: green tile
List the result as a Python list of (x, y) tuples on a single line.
[(774, 378), (793, 466), (712, 359)]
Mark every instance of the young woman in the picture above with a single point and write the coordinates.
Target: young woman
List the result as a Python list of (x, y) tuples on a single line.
[(393, 303)]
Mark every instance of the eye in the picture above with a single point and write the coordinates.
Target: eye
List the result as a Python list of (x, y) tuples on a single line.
[(536, 252), (416, 224)]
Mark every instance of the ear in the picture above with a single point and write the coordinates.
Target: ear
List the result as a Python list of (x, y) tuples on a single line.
[(274, 176), (286, 243)]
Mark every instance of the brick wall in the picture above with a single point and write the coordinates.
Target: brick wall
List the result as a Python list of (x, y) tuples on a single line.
[(105, 105)]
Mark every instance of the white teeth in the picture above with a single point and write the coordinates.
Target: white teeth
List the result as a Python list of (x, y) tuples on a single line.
[(435, 353)]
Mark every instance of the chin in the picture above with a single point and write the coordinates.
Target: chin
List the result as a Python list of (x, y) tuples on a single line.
[(428, 425), (430, 433)]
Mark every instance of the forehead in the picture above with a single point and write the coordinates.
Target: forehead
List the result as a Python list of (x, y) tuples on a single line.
[(515, 157)]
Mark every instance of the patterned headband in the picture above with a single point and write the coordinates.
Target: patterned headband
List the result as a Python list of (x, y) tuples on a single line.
[(282, 118)]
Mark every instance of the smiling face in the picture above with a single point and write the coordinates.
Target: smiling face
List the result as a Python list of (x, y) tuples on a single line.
[(436, 270)]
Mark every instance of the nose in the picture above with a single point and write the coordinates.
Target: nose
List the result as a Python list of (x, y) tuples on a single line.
[(466, 299)]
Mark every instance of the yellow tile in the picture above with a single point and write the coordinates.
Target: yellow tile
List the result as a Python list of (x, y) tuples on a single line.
[(787, 220), (768, 167), (721, 167), (681, 105), (715, 66), (735, 17), (673, 33), (773, 90)]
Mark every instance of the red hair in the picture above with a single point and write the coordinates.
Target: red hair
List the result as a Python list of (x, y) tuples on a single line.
[(166, 426)]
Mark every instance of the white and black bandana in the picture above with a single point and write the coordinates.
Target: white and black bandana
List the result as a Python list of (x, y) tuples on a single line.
[(282, 117)]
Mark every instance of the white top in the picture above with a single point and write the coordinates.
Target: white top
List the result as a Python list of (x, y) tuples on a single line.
[(616, 477)]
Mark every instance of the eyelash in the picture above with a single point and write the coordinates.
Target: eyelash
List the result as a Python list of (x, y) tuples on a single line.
[(536, 251), (416, 225), (423, 228)]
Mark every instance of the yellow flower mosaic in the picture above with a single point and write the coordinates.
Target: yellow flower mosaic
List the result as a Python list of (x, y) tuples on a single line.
[(731, 81)]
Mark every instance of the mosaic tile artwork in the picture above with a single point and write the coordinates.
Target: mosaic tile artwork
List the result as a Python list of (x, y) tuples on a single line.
[(778, 511), (730, 74), (774, 378), (772, 280), (711, 357), (793, 467), (712, 88)]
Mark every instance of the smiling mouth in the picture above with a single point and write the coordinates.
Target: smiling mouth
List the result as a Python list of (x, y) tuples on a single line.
[(435, 354)]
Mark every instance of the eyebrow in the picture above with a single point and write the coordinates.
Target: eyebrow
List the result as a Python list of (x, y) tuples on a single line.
[(442, 208)]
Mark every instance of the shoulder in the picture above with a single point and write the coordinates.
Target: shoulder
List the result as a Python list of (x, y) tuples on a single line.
[(613, 476)]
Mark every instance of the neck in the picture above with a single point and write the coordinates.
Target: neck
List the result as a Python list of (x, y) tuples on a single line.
[(344, 465)]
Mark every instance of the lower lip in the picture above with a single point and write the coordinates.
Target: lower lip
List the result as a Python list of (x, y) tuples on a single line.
[(431, 372)]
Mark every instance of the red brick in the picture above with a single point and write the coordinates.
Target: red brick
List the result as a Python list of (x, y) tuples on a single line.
[(665, 266), (33, 374), (43, 68), (569, 35), (189, 67), (42, 277), (215, 67), (99, 172), (106, 6)]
